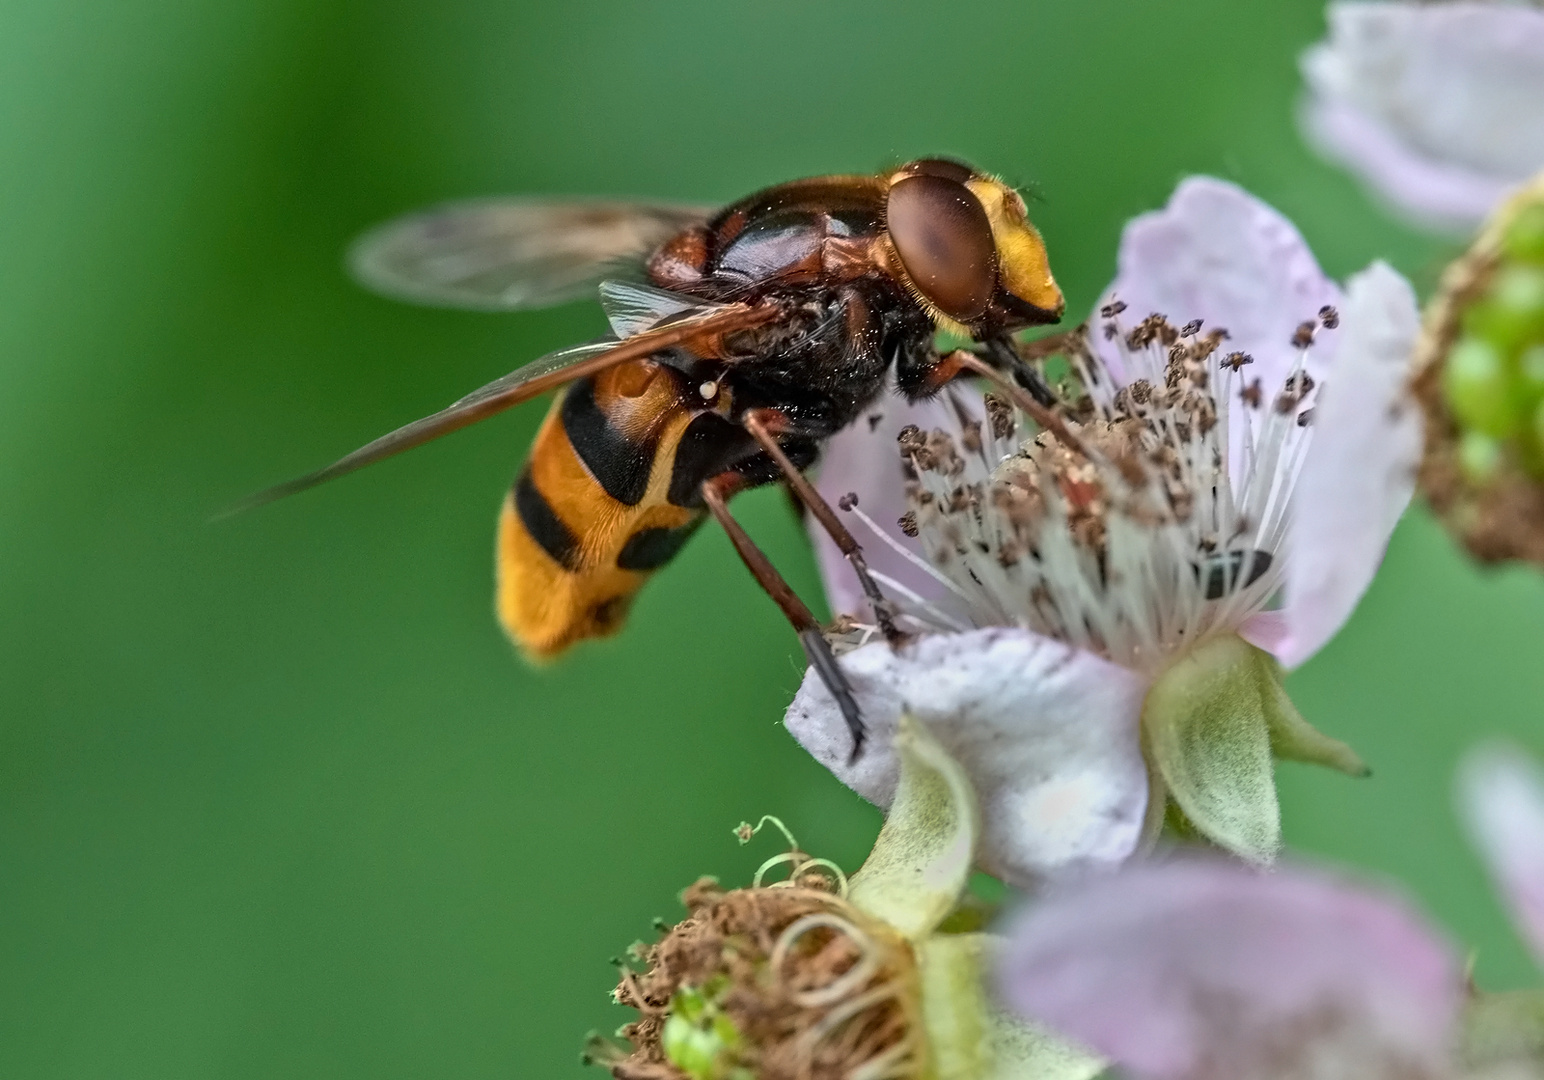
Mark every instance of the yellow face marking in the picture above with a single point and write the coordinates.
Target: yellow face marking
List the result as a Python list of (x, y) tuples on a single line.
[(1022, 264)]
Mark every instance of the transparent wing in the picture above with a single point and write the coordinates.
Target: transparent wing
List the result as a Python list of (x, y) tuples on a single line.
[(691, 326), (632, 308), (503, 254)]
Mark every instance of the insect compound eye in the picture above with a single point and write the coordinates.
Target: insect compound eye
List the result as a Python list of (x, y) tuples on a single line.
[(946, 168), (944, 240)]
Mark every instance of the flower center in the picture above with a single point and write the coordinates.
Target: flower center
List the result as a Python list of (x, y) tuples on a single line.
[(1165, 522)]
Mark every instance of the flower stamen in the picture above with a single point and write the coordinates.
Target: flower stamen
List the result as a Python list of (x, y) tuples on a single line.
[(1143, 517)]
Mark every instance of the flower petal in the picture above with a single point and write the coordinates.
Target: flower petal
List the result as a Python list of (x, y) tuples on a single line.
[(1438, 107), (1501, 793), (1199, 967), (1047, 734), (1359, 470), (1219, 254), (919, 866), (863, 459)]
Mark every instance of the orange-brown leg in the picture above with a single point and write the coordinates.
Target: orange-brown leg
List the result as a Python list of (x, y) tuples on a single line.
[(953, 364), (762, 424), (714, 493)]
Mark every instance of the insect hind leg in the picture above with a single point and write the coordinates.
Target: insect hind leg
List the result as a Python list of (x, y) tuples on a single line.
[(715, 493)]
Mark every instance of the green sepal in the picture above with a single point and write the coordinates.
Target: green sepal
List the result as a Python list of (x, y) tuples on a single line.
[(922, 858), (1295, 739), (1206, 727), (968, 1037), (1504, 1029)]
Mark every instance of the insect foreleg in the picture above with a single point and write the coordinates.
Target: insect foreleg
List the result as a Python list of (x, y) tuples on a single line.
[(761, 423), (1002, 354), (714, 493)]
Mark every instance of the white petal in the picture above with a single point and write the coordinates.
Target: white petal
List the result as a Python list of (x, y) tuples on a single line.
[(1219, 254), (1203, 968), (1439, 107), (1438, 195), (1501, 793), (863, 459), (1047, 734), (1359, 472)]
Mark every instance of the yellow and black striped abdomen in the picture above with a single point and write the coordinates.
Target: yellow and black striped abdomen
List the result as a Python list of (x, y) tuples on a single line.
[(589, 519)]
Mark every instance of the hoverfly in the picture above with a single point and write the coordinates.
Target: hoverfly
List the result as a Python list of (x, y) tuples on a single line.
[(745, 337)]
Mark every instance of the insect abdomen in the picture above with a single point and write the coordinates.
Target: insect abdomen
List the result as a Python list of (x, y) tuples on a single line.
[(588, 520)]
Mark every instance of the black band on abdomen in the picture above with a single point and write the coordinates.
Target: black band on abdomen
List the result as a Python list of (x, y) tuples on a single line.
[(649, 549), (544, 525), (618, 464)]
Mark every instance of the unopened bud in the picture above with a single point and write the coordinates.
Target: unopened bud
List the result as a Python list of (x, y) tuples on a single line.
[(1480, 379)]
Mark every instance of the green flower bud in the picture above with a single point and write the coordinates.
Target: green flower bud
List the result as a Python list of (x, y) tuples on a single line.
[(1524, 240), (1479, 375), (1530, 371), (1479, 456), (699, 1038), (1512, 311), (1479, 388)]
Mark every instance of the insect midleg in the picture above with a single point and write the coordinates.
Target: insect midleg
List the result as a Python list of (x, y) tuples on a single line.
[(761, 423), (714, 494)]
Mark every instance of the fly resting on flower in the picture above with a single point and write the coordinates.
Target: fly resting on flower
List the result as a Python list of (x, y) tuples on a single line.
[(761, 330), (1111, 602)]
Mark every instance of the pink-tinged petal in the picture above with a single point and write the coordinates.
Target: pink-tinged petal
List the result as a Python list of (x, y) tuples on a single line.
[(1501, 793), (1359, 471), (1047, 734), (1199, 968), (863, 459), (1439, 108), (1219, 254), (1437, 195)]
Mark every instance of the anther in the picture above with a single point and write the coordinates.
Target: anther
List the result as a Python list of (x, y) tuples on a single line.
[(1250, 395), (1302, 337), (848, 501), (1191, 328), (1112, 309), (1237, 360), (908, 523), (1000, 415), (1329, 318)]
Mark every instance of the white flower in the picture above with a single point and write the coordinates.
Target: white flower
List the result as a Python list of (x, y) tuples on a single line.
[(1501, 794), (1438, 107), (1091, 601)]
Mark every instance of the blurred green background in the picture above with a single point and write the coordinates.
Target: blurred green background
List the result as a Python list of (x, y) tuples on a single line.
[(276, 798)]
